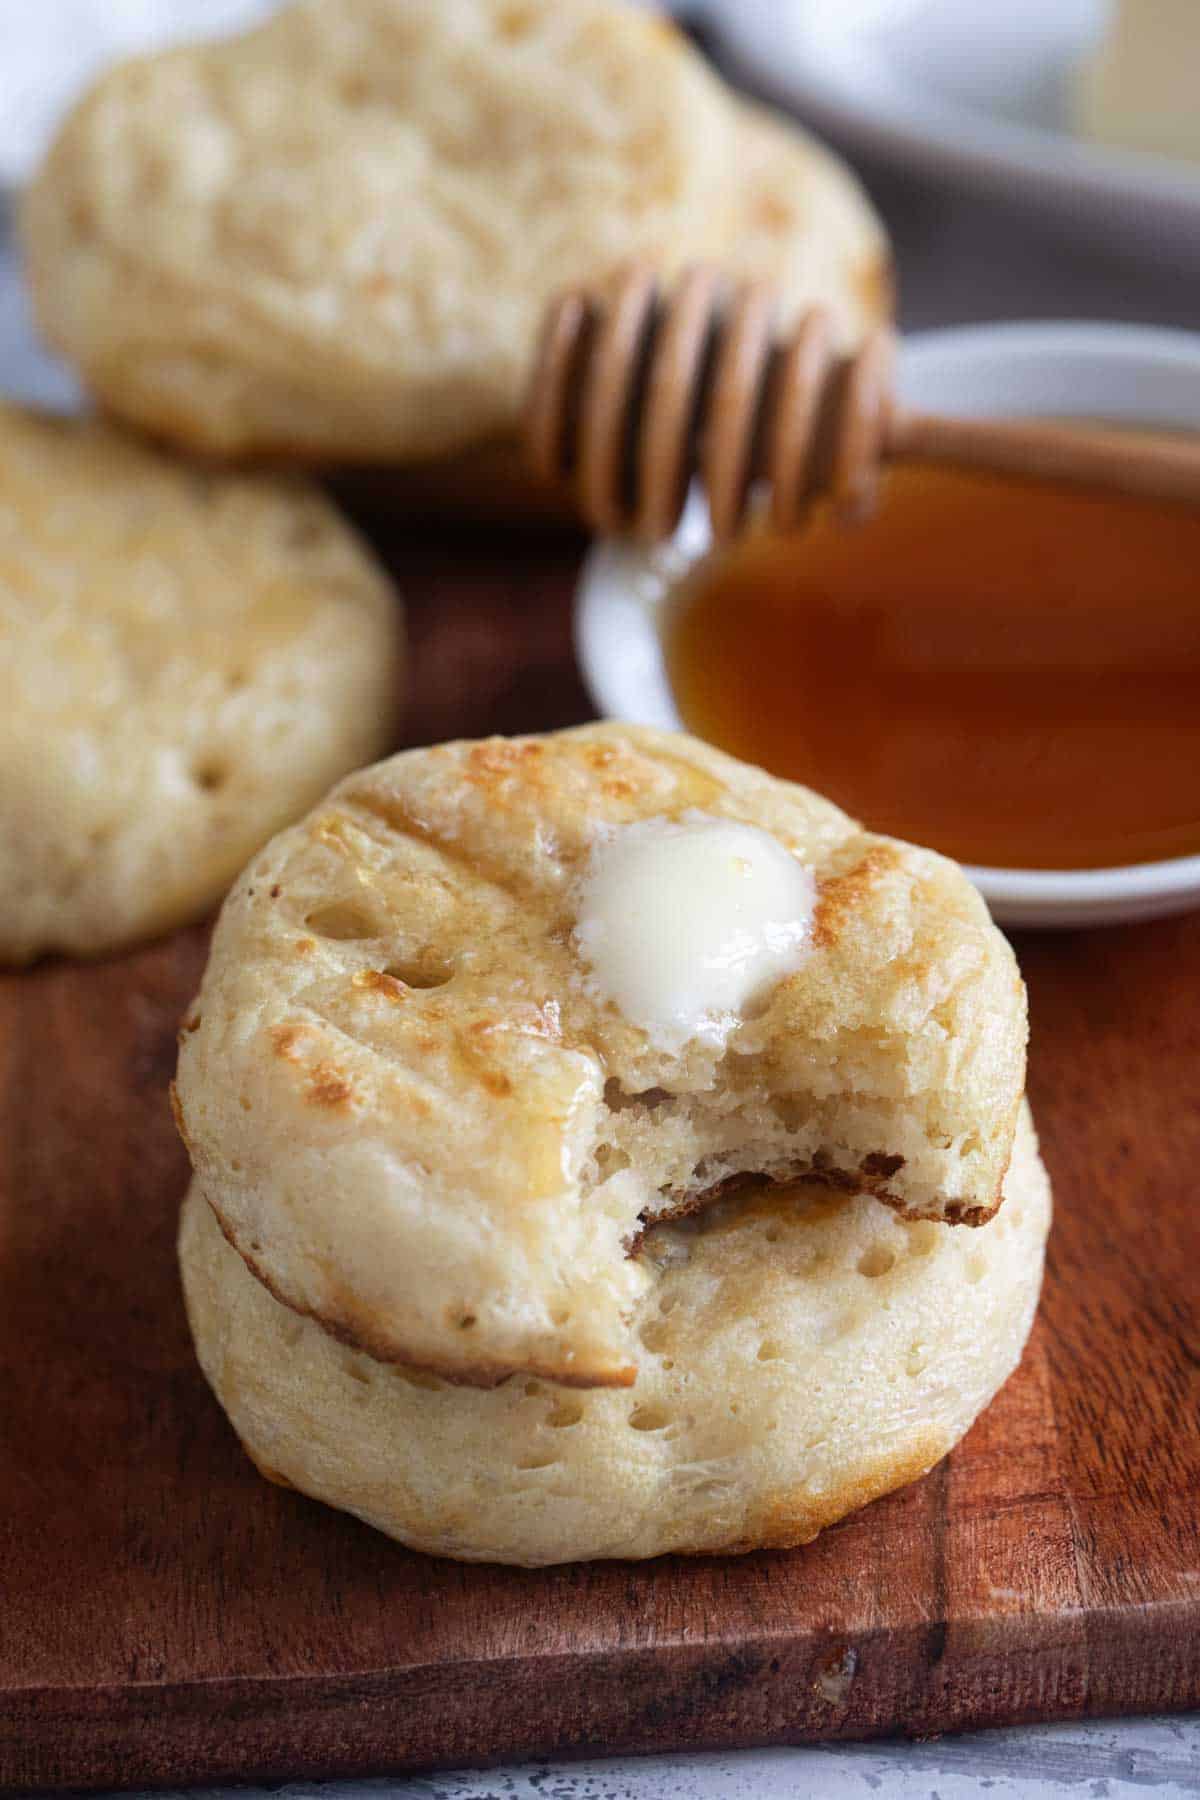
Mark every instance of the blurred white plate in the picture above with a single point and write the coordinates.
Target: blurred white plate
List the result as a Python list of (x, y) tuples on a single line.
[(1108, 371), (979, 92), (50, 50)]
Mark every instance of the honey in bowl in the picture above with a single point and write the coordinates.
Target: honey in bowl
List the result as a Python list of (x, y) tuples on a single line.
[(1006, 670)]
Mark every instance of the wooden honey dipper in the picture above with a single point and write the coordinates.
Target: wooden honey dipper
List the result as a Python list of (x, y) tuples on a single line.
[(634, 393)]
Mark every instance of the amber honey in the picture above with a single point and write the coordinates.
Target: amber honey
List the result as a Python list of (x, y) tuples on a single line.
[(1005, 670)]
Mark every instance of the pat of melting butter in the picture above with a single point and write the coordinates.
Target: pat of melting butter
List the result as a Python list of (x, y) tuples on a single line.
[(684, 924)]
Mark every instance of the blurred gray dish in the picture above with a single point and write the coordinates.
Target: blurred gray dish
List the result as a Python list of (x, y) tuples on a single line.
[(979, 95)]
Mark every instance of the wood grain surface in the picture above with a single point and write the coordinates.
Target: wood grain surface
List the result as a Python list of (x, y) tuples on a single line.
[(166, 1616)]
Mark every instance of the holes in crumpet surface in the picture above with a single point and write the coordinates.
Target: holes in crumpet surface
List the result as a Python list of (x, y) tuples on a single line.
[(515, 21), (712, 1490), (845, 1325), (209, 774), (648, 1418), (341, 920), (924, 1237), (426, 971)]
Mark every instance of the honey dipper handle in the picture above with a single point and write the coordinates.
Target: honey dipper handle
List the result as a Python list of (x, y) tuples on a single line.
[(634, 392), (1126, 462)]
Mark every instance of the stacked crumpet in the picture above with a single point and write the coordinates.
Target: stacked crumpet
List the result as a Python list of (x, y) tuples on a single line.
[(480, 1253)]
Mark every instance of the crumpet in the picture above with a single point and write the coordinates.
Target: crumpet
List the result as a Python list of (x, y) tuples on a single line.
[(419, 1123), (187, 660), (334, 237)]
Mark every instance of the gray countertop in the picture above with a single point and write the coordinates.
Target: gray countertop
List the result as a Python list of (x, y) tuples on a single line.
[(1112, 1760)]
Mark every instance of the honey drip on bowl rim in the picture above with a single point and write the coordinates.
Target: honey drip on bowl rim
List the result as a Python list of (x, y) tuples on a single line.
[(1004, 670)]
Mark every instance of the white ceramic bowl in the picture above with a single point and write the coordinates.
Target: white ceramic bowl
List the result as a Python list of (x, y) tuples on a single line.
[(978, 94), (1109, 371)]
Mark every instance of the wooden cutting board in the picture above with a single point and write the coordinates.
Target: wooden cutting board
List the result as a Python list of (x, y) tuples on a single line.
[(167, 1616)]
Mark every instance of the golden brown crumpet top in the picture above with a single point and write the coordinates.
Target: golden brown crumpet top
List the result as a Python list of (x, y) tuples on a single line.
[(187, 660), (335, 236), (799, 1353), (416, 1121)]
